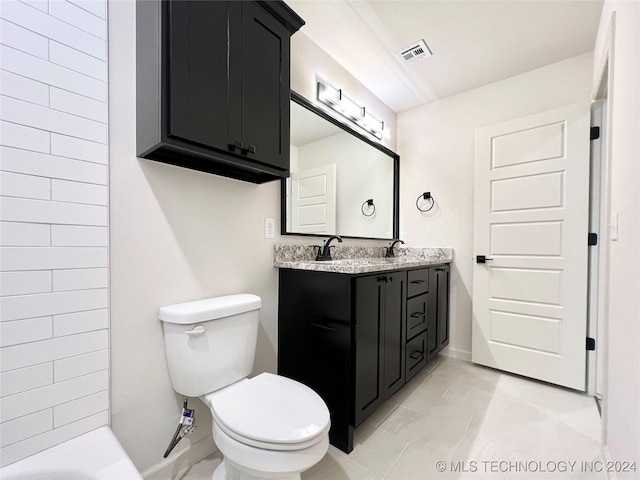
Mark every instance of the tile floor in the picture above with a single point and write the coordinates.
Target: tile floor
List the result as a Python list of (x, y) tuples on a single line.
[(481, 423)]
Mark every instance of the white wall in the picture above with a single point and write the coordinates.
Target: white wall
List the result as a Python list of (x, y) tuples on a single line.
[(436, 147), (178, 235), (54, 304), (619, 31)]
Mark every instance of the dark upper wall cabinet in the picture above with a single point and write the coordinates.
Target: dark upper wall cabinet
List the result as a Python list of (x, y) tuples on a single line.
[(213, 86)]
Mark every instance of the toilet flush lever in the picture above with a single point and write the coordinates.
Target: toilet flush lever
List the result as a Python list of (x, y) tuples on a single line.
[(199, 330)]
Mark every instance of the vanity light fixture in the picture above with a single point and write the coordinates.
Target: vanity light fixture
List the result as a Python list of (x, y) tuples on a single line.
[(339, 102)]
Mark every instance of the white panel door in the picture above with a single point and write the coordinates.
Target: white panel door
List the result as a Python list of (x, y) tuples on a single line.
[(531, 222), (313, 200)]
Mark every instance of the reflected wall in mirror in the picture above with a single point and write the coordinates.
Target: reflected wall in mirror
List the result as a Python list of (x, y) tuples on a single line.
[(334, 172)]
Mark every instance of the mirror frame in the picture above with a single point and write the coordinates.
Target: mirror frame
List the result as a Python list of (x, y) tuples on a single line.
[(302, 101)]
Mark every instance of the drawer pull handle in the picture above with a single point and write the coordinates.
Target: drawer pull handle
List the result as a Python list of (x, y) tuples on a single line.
[(416, 355), (418, 282), (323, 327), (442, 269), (417, 314)]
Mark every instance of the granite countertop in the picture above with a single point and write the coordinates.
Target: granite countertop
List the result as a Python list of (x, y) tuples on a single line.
[(354, 260)]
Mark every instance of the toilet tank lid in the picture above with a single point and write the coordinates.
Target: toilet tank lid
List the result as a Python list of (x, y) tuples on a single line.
[(209, 308)]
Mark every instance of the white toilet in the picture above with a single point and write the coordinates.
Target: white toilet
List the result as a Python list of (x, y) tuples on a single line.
[(267, 426)]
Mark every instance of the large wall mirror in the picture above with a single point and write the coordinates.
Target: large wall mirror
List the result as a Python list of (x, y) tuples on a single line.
[(341, 182)]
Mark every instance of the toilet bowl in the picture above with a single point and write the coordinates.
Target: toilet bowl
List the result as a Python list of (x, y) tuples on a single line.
[(268, 426)]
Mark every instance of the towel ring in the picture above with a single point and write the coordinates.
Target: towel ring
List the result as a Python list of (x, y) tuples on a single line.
[(425, 196), (370, 203)]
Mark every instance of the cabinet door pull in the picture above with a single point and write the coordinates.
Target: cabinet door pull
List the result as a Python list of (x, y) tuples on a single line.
[(418, 282), (236, 145), (323, 327), (415, 355), (383, 279), (439, 269), (252, 148), (417, 314)]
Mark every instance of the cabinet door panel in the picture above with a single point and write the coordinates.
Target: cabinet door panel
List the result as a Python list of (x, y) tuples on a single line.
[(265, 78), (314, 341), (443, 305), (394, 333), (369, 311), (438, 318), (203, 87)]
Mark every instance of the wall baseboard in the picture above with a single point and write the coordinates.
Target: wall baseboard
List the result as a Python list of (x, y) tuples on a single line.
[(455, 353), (174, 466)]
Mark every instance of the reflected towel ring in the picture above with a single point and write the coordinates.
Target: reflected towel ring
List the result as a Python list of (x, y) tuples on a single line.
[(425, 196), (370, 203)]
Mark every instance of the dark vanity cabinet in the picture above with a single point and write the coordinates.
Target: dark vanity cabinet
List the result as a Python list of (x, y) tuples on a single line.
[(213, 85), (355, 339)]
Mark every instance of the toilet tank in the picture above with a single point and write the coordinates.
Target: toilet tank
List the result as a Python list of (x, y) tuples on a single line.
[(210, 343)]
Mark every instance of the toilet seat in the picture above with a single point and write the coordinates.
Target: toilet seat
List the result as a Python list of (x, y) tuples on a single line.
[(271, 412)]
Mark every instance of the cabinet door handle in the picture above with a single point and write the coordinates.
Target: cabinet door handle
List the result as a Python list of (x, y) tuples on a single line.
[(442, 269), (323, 327), (418, 282), (417, 314), (249, 149), (236, 145), (416, 355), (383, 279)]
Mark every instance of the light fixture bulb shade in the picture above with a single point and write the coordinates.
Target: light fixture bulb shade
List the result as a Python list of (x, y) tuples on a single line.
[(337, 101)]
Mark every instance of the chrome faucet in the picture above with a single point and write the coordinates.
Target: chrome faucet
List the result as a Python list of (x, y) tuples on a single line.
[(390, 253), (324, 254)]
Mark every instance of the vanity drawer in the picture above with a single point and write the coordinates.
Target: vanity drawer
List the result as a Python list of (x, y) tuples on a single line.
[(417, 308), (418, 282), (416, 355)]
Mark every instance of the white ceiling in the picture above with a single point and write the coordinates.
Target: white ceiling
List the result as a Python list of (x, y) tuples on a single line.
[(474, 42)]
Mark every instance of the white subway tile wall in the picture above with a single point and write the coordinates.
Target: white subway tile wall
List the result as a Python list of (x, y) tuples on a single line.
[(54, 310)]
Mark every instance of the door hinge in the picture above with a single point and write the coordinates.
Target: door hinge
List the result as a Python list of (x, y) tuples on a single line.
[(592, 239), (591, 343), (594, 133)]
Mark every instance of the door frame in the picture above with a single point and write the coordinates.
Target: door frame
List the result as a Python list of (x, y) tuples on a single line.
[(598, 324)]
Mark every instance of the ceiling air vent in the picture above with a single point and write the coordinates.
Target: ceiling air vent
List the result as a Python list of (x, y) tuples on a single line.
[(416, 52)]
